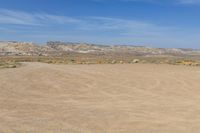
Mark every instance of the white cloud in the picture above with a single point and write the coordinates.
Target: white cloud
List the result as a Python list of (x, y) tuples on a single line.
[(157, 1), (189, 1), (100, 24), (122, 27), (24, 18), (32, 26)]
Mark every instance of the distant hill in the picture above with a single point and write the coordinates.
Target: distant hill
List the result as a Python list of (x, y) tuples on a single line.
[(61, 48)]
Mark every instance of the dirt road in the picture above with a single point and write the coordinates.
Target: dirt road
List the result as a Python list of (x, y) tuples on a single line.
[(44, 98)]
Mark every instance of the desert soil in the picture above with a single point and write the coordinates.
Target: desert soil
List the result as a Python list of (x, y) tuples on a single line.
[(137, 98)]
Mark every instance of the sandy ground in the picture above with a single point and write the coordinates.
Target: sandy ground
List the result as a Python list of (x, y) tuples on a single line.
[(43, 98)]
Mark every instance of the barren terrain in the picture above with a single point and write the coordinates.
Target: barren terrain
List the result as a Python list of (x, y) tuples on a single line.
[(119, 98)]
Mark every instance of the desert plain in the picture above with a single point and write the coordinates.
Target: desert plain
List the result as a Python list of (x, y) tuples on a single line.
[(106, 98)]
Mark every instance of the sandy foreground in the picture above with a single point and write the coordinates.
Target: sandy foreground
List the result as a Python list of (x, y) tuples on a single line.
[(138, 98)]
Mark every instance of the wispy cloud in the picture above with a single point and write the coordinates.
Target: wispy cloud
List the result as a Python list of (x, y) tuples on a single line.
[(121, 27), (20, 25), (24, 18), (189, 1), (157, 1), (95, 23)]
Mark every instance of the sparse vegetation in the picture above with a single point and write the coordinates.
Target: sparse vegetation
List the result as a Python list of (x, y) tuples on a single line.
[(72, 53), (4, 64), (12, 61)]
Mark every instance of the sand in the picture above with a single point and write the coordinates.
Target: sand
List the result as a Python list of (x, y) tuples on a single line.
[(135, 98)]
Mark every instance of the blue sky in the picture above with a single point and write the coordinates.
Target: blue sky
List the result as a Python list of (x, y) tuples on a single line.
[(156, 23)]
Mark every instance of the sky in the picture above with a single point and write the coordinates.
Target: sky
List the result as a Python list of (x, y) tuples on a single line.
[(154, 23)]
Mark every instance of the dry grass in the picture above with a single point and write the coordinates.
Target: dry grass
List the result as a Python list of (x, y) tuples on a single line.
[(106, 59), (8, 64)]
